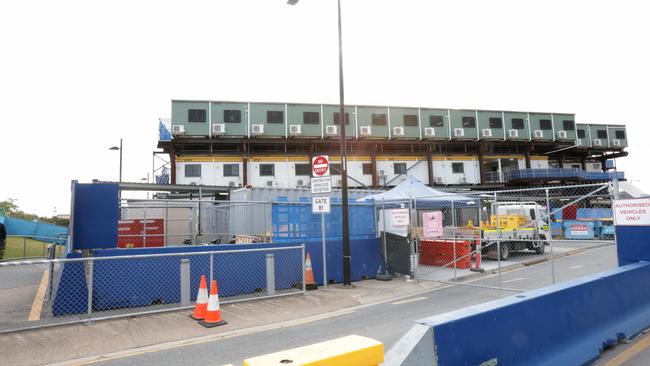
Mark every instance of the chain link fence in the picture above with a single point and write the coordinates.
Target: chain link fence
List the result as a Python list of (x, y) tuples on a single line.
[(40, 293), (450, 238)]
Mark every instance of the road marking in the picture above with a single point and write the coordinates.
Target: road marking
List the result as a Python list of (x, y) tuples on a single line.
[(622, 357), (576, 267), (409, 300), (514, 279), (37, 305)]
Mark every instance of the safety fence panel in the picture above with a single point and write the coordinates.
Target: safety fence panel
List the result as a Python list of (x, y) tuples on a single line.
[(39, 293), (22, 247)]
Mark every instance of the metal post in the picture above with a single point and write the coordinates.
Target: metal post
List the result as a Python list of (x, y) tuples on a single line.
[(303, 260), (344, 165), (550, 234), (211, 266), (270, 274), (453, 234), (89, 281), (494, 205), (24, 246), (615, 189), (144, 226), (185, 282), (322, 229)]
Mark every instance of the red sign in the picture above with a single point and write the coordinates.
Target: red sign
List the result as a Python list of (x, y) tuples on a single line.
[(140, 233), (320, 166)]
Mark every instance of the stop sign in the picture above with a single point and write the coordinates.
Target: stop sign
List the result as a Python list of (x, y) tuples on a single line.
[(320, 166)]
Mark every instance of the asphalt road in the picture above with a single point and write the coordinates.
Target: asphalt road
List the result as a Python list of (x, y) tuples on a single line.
[(385, 322)]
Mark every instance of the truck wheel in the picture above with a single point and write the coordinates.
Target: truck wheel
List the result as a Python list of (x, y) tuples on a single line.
[(505, 251), (542, 245)]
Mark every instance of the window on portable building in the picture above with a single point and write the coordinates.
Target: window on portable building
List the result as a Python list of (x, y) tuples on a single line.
[(436, 121), (517, 123), (367, 168), (232, 116), (337, 118), (457, 168), (379, 119), (568, 125), (399, 168), (231, 170), (274, 117), (496, 122), (620, 134), (196, 115), (311, 118), (335, 169), (267, 170), (601, 134), (303, 169), (581, 134), (545, 124), (469, 122), (410, 120), (192, 170)]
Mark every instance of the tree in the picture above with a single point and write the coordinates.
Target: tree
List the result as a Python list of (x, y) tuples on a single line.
[(9, 206), (11, 209)]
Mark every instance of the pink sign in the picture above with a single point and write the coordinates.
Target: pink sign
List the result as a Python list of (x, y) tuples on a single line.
[(432, 224)]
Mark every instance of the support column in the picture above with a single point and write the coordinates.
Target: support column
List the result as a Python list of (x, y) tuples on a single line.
[(172, 160), (527, 159), (373, 167), (481, 168), (583, 163), (560, 161), (430, 166), (245, 170)]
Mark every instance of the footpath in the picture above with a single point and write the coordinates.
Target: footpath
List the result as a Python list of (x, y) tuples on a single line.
[(80, 343)]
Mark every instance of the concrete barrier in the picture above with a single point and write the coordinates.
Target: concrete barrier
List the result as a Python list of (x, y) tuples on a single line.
[(564, 324)]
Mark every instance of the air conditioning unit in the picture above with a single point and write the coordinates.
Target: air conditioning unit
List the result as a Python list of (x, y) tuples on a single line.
[(463, 179), (429, 132), (295, 130), (579, 142), (331, 130), (486, 132), (459, 132), (257, 129), (365, 131), (338, 182), (300, 182), (513, 134), (439, 180), (269, 183), (616, 142), (598, 142), (596, 166), (218, 129), (538, 134), (398, 131), (231, 184), (178, 129), (561, 134)]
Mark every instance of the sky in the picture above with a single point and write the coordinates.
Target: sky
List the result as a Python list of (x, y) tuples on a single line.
[(76, 76)]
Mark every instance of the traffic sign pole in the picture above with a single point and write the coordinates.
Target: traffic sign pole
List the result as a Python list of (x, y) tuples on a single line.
[(322, 226)]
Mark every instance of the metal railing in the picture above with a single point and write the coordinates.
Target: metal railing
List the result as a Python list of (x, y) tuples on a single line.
[(31, 246), (554, 173), (97, 288)]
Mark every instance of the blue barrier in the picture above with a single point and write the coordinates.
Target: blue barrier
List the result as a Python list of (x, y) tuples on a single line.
[(35, 229), (121, 283), (563, 324)]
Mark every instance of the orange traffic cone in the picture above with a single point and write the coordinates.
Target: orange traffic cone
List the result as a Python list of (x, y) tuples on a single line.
[(201, 301), (310, 284), (213, 314)]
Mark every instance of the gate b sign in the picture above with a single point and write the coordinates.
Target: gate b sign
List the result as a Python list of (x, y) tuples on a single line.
[(320, 166)]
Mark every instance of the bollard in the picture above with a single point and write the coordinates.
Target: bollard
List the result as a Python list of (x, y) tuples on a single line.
[(270, 274), (185, 282), (352, 350)]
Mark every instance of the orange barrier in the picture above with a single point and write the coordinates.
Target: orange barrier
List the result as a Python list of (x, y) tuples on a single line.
[(441, 253), (201, 307), (213, 313)]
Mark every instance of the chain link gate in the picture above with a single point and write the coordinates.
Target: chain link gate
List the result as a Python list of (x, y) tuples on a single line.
[(499, 231)]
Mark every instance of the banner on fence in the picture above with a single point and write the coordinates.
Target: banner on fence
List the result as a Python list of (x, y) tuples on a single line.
[(432, 224)]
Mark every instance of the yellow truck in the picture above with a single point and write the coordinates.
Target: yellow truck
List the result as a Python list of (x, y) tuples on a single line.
[(514, 227)]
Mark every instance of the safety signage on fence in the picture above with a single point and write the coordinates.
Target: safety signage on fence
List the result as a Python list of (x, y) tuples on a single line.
[(320, 205), (432, 224), (632, 212), (321, 182), (400, 217), (579, 230)]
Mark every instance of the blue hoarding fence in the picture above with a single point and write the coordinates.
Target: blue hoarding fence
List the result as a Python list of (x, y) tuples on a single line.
[(294, 222), (37, 230)]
